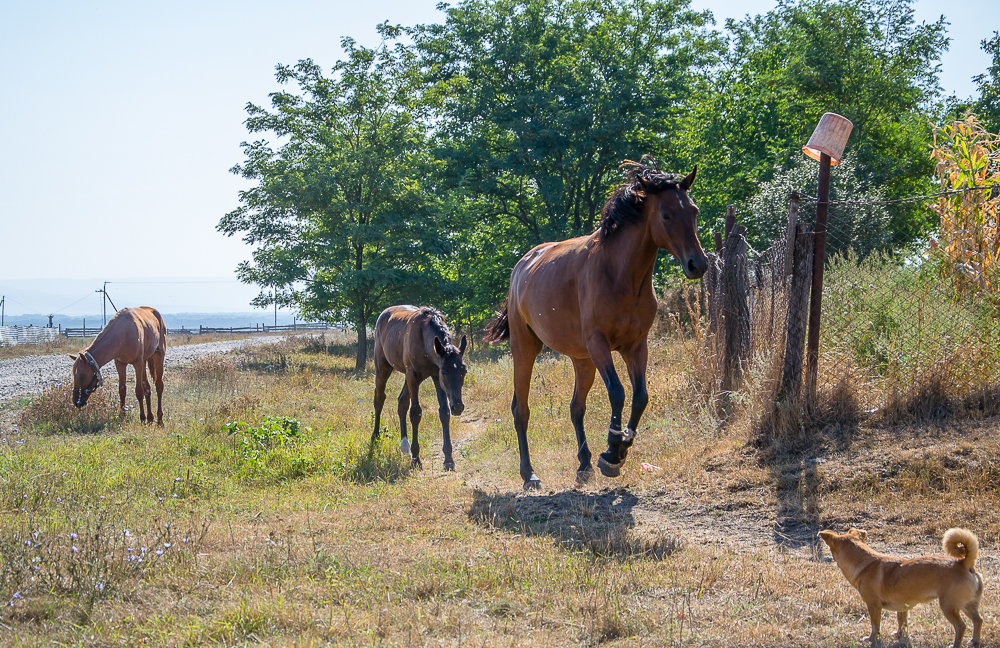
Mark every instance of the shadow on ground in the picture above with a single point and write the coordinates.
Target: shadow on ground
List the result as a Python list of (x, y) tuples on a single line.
[(601, 523)]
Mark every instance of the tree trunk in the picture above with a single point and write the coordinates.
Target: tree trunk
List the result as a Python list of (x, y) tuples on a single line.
[(362, 357)]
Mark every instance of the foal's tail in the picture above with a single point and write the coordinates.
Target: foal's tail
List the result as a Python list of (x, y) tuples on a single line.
[(498, 329)]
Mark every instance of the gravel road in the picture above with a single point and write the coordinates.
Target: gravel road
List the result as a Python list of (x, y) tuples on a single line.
[(31, 374)]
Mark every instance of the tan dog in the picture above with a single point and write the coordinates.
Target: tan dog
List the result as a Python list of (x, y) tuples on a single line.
[(900, 583)]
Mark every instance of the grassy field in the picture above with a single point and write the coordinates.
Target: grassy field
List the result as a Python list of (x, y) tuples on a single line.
[(233, 525)]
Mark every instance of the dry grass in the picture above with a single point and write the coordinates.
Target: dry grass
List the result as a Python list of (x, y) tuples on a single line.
[(322, 542)]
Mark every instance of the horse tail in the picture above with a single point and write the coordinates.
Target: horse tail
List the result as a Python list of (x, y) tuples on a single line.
[(161, 328), (498, 329), (955, 538)]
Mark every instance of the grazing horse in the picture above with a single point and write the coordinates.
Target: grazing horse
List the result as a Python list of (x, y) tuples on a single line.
[(417, 343), (588, 296), (134, 336)]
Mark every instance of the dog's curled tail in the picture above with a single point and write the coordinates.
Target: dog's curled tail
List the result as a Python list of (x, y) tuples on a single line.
[(954, 538)]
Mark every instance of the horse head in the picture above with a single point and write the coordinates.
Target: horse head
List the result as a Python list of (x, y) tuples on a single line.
[(86, 377), (452, 373), (672, 219)]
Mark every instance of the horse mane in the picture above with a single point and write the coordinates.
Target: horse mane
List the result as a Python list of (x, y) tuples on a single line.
[(625, 204), (435, 320)]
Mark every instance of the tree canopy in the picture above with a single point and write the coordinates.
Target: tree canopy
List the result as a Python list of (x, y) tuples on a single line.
[(344, 215), (420, 170)]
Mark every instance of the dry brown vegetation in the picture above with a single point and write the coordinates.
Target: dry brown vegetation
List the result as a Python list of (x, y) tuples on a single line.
[(315, 541)]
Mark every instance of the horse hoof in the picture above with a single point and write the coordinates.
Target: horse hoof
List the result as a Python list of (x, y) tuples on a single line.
[(609, 469), (449, 465), (404, 447), (585, 475), (533, 484)]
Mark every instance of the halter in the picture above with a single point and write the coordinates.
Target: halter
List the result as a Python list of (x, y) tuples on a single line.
[(95, 382)]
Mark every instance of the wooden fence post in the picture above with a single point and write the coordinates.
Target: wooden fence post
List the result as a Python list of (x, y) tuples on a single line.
[(793, 219), (736, 310), (798, 300), (819, 258)]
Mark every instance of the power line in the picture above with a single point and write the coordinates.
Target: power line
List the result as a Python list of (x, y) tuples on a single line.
[(899, 201), (72, 304)]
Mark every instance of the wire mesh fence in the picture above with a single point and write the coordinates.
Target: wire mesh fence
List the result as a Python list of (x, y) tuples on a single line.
[(899, 334)]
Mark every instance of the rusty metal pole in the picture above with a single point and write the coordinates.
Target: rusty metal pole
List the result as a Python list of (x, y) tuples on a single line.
[(819, 257)]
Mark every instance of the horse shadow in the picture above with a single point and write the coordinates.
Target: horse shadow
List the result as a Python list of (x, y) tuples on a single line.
[(601, 523)]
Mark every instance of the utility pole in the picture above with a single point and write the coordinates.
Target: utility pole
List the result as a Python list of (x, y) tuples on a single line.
[(104, 303), (3, 300), (274, 296)]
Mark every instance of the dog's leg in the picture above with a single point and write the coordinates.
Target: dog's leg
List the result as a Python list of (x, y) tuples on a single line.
[(875, 612), (955, 619), (901, 621), (972, 609)]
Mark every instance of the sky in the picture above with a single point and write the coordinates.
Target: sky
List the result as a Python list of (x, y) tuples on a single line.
[(119, 122)]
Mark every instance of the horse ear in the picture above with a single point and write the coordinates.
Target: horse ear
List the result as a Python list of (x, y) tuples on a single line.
[(71, 357), (438, 347), (689, 179), (461, 346)]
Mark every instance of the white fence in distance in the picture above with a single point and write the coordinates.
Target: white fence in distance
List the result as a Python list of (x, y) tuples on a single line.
[(13, 335)]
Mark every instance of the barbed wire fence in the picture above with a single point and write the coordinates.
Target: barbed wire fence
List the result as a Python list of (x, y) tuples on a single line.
[(900, 338)]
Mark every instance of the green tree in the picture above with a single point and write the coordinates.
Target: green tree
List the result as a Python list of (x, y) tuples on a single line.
[(988, 104), (342, 214), (539, 101), (868, 60)]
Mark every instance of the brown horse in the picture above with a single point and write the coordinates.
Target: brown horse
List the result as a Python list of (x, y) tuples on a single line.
[(417, 343), (134, 336), (591, 295)]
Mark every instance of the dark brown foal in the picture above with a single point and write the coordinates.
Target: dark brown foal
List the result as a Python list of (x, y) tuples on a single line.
[(417, 343)]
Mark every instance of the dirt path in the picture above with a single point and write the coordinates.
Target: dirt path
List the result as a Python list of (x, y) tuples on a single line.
[(31, 374), (782, 510)]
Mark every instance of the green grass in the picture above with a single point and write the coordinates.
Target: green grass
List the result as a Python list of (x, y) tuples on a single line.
[(302, 533)]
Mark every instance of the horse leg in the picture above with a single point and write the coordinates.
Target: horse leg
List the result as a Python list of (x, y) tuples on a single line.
[(140, 389), (122, 387), (404, 405), (524, 348), (611, 459), (156, 372), (635, 360), (382, 372), (148, 393), (445, 413), (413, 385), (584, 370)]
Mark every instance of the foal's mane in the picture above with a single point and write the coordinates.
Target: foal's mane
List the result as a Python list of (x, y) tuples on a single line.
[(435, 320), (625, 204)]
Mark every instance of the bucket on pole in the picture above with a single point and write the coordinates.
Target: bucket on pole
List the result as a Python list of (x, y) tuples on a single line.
[(826, 145)]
